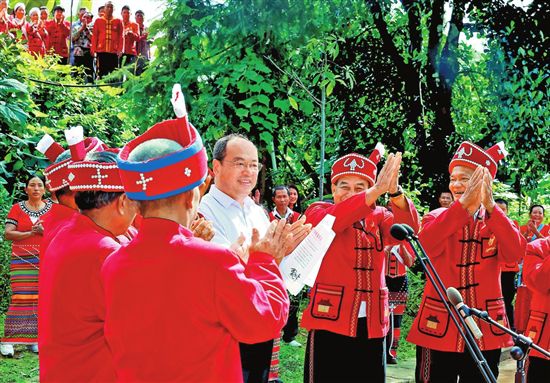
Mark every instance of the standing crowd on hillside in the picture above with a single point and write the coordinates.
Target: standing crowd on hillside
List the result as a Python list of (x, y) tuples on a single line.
[(98, 43)]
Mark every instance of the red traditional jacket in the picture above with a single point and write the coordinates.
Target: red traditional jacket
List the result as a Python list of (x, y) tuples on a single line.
[(467, 254), (58, 217), (58, 33), (536, 273), (353, 269), (514, 266), (5, 25), (107, 36), (37, 40), (190, 299), (70, 305), (131, 36), (291, 218)]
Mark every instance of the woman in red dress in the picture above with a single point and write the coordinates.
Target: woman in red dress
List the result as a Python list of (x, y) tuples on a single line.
[(36, 33), (24, 229)]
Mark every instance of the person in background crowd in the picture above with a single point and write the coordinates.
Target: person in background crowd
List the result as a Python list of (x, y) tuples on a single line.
[(18, 20), (281, 210), (5, 23), (107, 41), (536, 271), (143, 45), (294, 199), (59, 31), (348, 315), (445, 198), (82, 40), (71, 309), (130, 37), (235, 216), (36, 33), (508, 273), (81, 13), (24, 228), (535, 227), (532, 230), (44, 14), (398, 260), (465, 242), (220, 298)]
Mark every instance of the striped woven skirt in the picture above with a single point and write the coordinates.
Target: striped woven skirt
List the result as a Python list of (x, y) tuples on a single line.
[(21, 325)]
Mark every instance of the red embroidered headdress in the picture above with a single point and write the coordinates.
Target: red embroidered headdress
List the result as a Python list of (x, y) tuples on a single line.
[(358, 165), (168, 175), (89, 175), (471, 156)]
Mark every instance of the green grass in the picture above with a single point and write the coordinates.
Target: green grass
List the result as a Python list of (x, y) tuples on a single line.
[(22, 368)]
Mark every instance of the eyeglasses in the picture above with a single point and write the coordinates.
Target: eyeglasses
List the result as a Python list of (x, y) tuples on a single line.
[(241, 165)]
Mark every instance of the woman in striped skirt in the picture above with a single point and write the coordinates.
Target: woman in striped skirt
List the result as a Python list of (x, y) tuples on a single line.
[(24, 229)]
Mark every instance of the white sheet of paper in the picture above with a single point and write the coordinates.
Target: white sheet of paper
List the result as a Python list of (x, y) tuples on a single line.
[(301, 266)]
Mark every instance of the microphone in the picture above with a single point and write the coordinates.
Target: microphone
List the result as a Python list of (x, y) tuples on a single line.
[(456, 300), (409, 229), (399, 232)]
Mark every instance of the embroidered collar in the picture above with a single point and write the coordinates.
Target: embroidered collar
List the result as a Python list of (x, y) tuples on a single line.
[(36, 213)]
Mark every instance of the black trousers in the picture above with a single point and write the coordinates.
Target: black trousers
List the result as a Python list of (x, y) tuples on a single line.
[(538, 370), (255, 361), (445, 367), (291, 327), (106, 63), (508, 283), (332, 357), (86, 61)]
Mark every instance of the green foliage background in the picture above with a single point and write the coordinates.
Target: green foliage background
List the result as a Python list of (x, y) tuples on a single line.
[(390, 72)]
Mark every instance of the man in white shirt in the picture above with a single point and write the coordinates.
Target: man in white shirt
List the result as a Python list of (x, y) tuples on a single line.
[(234, 216)]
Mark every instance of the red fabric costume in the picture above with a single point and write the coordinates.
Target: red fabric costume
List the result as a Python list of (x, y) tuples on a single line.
[(58, 34), (71, 307), (200, 299), (466, 253), (291, 219), (131, 36), (58, 217), (353, 269), (536, 274), (107, 36), (37, 40), (514, 266)]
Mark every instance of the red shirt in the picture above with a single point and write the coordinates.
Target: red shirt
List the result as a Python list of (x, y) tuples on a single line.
[(57, 37), (37, 40), (514, 266), (192, 301), (107, 36), (467, 254), (353, 270), (59, 216), (536, 273), (131, 36), (71, 308)]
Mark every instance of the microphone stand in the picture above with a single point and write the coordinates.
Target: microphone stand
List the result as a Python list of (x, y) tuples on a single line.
[(436, 281), (522, 344)]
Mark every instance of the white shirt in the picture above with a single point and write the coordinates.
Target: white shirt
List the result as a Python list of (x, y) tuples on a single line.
[(288, 213), (230, 219)]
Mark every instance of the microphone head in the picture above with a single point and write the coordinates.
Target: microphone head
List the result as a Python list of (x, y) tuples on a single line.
[(409, 229), (454, 296), (398, 232)]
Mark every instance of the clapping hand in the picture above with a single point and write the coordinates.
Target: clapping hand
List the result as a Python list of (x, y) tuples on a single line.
[(277, 241), (472, 197), (202, 228), (487, 191), (300, 230), (387, 180), (37, 228)]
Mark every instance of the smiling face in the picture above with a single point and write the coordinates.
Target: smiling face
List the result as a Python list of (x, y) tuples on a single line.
[(293, 197), (20, 13), (460, 178), (537, 214), (348, 186), (229, 178)]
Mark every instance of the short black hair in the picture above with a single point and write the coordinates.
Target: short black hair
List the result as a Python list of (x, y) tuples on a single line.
[(29, 178), (43, 8), (220, 147), (96, 199), (445, 191), (125, 7), (139, 11), (534, 206), (58, 7), (501, 201), (100, 8), (277, 188)]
